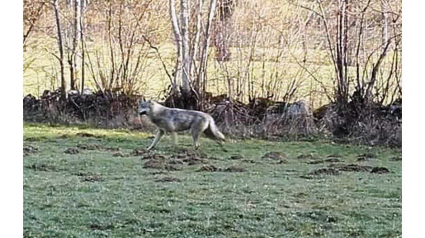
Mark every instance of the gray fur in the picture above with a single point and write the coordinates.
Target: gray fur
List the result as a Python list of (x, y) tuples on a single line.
[(173, 120)]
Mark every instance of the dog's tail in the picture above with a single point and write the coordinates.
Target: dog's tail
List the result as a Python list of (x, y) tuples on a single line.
[(212, 131)]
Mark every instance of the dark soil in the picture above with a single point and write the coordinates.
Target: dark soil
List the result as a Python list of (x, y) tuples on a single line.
[(249, 161), (325, 171), (89, 147), (379, 170), (330, 160), (138, 152), (315, 162), (82, 173), (282, 161), (64, 136), (96, 147), (32, 139), (308, 156), (71, 151), (351, 167), (274, 156), (159, 164), (91, 178), (190, 157), (42, 167), (175, 162), (168, 179), (366, 157), (395, 158), (85, 134), (120, 154), (153, 156), (236, 157), (212, 168), (234, 169), (29, 149), (207, 168)]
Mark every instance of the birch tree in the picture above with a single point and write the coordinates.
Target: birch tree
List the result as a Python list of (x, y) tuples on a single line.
[(56, 9), (178, 40), (186, 61)]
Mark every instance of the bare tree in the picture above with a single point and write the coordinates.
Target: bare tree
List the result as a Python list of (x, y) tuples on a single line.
[(31, 16), (204, 53), (83, 4), (60, 46), (178, 40), (222, 27), (384, 10), (73, 54), (186, 60)]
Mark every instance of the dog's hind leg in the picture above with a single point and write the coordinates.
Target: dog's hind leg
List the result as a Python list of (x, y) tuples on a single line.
[(158, 136), (196, 132)]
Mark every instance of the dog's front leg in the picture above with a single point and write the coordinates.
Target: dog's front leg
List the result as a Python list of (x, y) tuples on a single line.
[(158, 136), (174, 138)]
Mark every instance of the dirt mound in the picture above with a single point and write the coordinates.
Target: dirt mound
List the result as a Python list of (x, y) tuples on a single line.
[(89, 147), (380, 170), (153, 156), (315, 162), (29, 150), (120, 154), (308, 156), (212, 168), (42, 167), (137, 152), (325, 171), (330, 160), (234, 169), (168, 179), (85, 134), (32, 139), (274, 156), (249, 161), (366, 156), (395, 158), (236, 157), (96, 147), (190, 157), (351, 167), (71, 150), (283, 161), (111, 148), (207, 168), (159, 164), (91, 178)]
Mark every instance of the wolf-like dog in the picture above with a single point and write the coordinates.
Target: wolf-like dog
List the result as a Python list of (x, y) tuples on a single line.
[(173, 120)]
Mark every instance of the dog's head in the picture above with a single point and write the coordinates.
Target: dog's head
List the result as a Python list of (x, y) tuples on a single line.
[(145, 107)]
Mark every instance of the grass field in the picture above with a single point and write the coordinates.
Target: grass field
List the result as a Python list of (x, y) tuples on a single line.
[(305, 189)]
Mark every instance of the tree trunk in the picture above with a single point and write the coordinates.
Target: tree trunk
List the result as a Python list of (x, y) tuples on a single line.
[(178, 39), (60, 45), (195, 46), (75, 42), (186, 62), (81, 22), (204, 54), (384, 10), (225, 11)]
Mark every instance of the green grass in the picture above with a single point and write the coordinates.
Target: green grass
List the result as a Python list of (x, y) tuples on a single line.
[(93, 194)]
